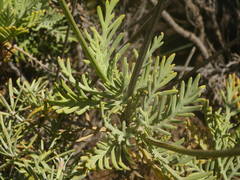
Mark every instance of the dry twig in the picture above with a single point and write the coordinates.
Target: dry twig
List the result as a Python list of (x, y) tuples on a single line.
[(185, 33), (187, 61), (17, 71), (43, 66)]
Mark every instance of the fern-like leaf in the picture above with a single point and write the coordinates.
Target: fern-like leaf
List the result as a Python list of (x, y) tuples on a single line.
[(105, 156)]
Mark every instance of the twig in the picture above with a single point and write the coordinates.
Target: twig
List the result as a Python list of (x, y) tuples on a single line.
[(211, 58), (185, 33), (43, 66), (144, 20), (15, 68), (68, 29), (214, 56), (182, 68), (211, 9), (159, 8), (17, 71), (136, 71), (195, 18), (66, 40), (196, 153), (187, 61)]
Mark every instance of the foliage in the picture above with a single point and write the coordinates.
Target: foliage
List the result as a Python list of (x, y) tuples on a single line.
[(28, 18), (48, 35), (38, 141), (17, 17)]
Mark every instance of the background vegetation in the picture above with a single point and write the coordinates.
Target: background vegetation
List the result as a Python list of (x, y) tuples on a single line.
[(70, 109)]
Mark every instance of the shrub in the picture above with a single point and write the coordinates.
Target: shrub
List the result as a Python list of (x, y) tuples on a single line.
[(136, 119)]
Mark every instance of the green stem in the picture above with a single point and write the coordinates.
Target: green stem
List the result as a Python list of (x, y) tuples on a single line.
[(197, 153), (81, 39), (137, 69), (157, 12)]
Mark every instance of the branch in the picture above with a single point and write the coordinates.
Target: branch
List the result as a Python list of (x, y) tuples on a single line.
[(209, 60), (196, 153), (43, 66), (185, 33), (81, 39), (17, 71), (182, 68), (68, 29), (187, 61), (156, 14)]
